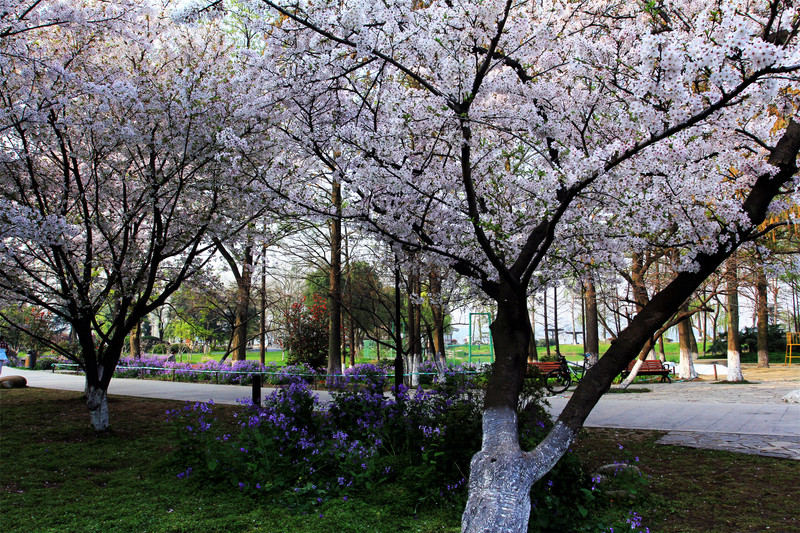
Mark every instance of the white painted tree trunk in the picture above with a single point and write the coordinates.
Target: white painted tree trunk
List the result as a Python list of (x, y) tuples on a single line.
[(414, 369), (634, 371), (734, 344), (501, 474), (441, 367), (734, 366), (686, 367), (97, 402)]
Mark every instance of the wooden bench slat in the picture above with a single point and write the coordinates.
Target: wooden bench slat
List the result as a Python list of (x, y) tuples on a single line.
[(649, 367)]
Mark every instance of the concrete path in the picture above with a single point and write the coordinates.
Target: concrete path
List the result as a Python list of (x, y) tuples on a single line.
[(749, 418), (746, 418)]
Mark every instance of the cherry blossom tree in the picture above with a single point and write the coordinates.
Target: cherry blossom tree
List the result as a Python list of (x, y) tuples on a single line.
[(512, 141), (112, 166)]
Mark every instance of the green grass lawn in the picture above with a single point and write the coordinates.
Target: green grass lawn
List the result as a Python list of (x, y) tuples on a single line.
[(57, 475)]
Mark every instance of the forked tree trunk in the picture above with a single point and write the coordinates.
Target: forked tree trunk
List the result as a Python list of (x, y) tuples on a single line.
[(501, 474)]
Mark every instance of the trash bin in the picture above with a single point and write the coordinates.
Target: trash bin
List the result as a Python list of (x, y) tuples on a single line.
[(30, 360)]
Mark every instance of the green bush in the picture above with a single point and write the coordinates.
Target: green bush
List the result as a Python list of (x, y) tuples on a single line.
[(306, 338), (776, 340), (46, 362), (160, 348)]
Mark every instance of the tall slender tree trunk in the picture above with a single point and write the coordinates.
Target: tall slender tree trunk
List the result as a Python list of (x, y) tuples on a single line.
[(335, 286), (414, 327), (398, 329), (592, 337), (546, 324), (437, 312), (533, 353), (243, 288), (555, 320), (762, 313), (734, 344), (686, 368), (262, 314)]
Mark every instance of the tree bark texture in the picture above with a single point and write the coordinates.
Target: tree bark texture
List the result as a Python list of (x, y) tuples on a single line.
[(762, 313), (136, 340), (592, 327), (414, 328), (97, 403), (244, 282), (734, 345), (686, 363), (335, 286), (501, 474), (437, 312)]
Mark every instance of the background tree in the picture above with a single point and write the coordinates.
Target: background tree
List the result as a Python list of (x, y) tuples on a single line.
[(113, 171)]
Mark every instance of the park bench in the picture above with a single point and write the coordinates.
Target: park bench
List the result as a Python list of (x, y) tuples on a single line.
[(67, 368), (650, 367), (546, 366)]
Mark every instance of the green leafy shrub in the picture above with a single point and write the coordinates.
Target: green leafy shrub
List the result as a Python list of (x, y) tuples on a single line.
[(306, 338), (776, 340)]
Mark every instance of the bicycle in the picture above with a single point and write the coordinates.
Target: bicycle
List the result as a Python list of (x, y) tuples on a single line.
[(561, 378)]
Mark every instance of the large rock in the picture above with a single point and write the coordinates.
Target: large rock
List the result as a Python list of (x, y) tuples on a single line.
[(792, 397), (13, 382)]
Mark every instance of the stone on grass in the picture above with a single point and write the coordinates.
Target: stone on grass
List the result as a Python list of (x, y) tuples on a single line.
[(792, 397), (615, 469), (13, 382)]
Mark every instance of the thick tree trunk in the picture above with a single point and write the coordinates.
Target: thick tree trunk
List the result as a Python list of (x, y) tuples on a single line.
[(734, 344), (97, 403), (693, 348), (762, 313), (136, 340), (335, 288), (501, 474)]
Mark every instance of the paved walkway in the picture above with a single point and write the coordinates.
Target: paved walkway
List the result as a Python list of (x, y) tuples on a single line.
[(747, 418)]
